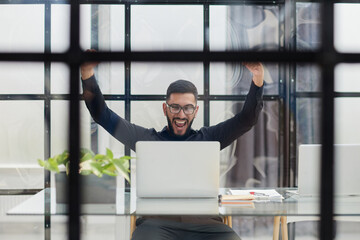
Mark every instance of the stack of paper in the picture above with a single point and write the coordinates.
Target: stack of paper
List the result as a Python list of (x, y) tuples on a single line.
[(238, 200), (260, 194)]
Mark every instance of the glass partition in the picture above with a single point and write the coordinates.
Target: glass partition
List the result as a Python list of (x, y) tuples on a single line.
[(35, 102)]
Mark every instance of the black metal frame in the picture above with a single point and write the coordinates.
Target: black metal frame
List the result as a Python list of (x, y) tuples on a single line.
[(326, 57)]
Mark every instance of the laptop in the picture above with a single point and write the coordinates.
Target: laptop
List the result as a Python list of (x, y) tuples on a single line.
[(177, 169), (347, 165)]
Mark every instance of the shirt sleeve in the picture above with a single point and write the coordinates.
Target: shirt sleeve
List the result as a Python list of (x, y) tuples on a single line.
[(124, 131), (229, 130)]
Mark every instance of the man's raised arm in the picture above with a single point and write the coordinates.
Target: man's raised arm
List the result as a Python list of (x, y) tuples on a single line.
[(87, 69), (257, 70)]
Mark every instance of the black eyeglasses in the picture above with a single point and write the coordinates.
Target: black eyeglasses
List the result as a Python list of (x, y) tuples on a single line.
[(187, 109)]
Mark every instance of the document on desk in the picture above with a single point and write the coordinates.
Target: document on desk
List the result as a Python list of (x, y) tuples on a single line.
[(243, 201), (260, 194)]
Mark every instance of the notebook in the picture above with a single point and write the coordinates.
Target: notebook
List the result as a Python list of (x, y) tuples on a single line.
[(347, 165), (177, 169)]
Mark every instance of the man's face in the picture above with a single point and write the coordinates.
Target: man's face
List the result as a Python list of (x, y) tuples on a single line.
[(179, 123)]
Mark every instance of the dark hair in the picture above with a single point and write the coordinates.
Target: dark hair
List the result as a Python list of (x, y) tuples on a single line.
[(181, 86)]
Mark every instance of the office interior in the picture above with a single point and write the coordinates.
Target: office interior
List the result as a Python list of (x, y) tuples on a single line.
[(311, 95)]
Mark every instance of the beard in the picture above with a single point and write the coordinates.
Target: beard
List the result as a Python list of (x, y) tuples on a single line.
[(171, 129)]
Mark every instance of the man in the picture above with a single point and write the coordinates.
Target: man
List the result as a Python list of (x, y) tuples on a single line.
[(180, 109)]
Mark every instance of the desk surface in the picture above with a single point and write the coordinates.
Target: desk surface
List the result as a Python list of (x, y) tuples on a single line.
[(128, 204)]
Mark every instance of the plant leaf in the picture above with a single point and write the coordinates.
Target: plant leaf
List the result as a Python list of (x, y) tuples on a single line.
[(124, 162), (86, 172), (87, 156), (63, 158), (51, 164), (100, 157), (84, 151), (124, 171), (96, 169), (127, 157), (85, 166), (41, 163), (110, 173), (109, 153), (67, 168)]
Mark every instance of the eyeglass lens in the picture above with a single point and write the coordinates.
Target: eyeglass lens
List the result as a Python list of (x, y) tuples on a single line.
[(188, 109)]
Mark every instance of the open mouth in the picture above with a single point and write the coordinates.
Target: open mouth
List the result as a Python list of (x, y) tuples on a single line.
[(180, 123)]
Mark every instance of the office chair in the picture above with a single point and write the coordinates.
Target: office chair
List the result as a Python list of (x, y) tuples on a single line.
[(227, 221)]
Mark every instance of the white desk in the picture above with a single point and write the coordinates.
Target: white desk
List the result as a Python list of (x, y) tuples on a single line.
[(128, 205)]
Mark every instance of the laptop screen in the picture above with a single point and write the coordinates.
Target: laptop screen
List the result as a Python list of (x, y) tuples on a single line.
[(346, 166)]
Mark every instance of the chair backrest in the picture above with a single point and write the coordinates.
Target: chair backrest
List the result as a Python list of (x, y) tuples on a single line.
[(347, 165)]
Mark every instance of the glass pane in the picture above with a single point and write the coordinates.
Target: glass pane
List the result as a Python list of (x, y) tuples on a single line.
[(252, 160), (60, 126), (111, 27), (60, 27), (346, 32), (308, 137), (244, 27), (308, 120), (16, 227), (109, 75), (30, 80), (150, 114), (308, 150), (154, 78), (176, 27), (227, 78), (308, 26), (101, 139), (347, 117), (349, 228), (21, 144), (104, 139), (22, 28), (308, 78), (60, 74), (347, 78)]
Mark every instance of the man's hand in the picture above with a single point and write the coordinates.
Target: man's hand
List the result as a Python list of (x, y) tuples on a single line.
[(257, 69), (87, 68)]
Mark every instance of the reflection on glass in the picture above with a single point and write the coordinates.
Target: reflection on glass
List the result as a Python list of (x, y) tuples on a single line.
[(247, 27), (104, 139), (308, 78), (110, 77), (308, 120), (347, 78), (60, 126), (60, 27), (166, 27), (347, 189), (347, 117), (21, 144), (30, 80), (150, 114), (230, 79), (308, 26), (346, 34), (22, 28), (111, 27), (252, 160), (60, 73), (154, 78)]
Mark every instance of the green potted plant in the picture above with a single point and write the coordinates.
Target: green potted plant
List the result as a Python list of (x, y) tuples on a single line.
[(97, 171)]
